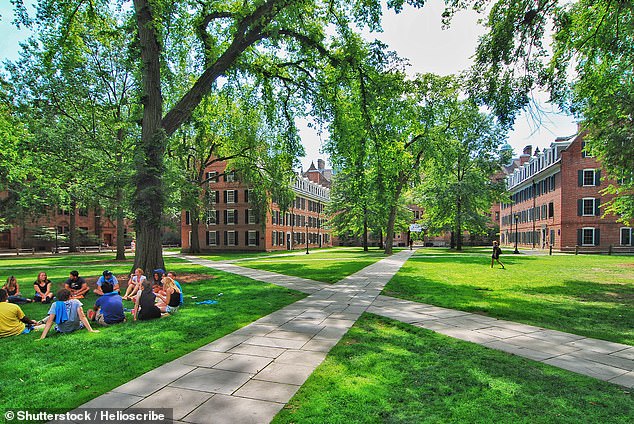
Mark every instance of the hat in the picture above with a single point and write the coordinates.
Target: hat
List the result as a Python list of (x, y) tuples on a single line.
[(107, 273)]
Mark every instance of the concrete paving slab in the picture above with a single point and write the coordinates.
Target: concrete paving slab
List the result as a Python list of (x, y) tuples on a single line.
[(626, 380), (154, 380), (433, 325), (519, 351), (464, 322), (499, 332), (600, 346), (256, 330), (181, 401), (212, 380), (468, 335), (267, 352), (273, 342), (301, 357), (541, 345), (244, 363), (221, 409), (321, 345), (330, 333), (268, 391), (285, 373), (226, 343), (202, 358), (625, 353), (585, 367), (113, 400), (301, 327), (289, 335), (554, 336), (602, 358)]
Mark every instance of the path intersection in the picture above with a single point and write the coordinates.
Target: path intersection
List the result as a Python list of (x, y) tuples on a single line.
[(249, 375)]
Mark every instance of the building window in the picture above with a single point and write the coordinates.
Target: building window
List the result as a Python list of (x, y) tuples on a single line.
[(212, 177), (250, 216), (588, 237), (588, 177), (626, 236), (551, 210), (212, 217), (252, 238), (230, 216), (231, 196), (230, 177), (188, 218), (230, 238), (588, 207), (212, 238), (83, 211)]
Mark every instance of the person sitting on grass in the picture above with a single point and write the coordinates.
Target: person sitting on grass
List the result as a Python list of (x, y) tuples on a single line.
[(157, 280), (12, 319), (67, 315), (172, 275), (144, 307), (13, 290), (172, 299), (42, 288), (106, 277), (134, 284), (77, 285), (109, 308)]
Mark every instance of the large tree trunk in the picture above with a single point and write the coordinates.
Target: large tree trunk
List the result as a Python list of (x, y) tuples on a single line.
[(381, 238), (149, 188), (72, 242), (365, 229), (195, 222), (120, 226), (389, 236), (458, 225)]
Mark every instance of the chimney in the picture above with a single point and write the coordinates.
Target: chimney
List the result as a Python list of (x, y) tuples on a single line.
[(528, 150), (321, 164)]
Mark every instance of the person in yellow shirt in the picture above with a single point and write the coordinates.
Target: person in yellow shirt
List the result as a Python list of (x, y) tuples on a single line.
[(12, 319)]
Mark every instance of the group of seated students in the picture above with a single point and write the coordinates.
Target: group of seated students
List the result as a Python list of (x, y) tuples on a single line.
[(163, 295)]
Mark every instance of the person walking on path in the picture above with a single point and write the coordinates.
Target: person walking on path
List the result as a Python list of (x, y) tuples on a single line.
[(496, 254)]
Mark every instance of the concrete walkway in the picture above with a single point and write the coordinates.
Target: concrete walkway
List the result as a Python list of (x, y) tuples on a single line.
[(248, 376)]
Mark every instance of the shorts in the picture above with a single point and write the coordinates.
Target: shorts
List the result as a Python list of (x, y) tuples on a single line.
[(27, 329), (171, 309)]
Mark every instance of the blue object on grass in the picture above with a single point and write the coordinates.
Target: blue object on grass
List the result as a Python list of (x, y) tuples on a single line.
[(207, 302)]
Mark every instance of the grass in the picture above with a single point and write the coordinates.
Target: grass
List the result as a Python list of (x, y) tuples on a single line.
[(384, 371), (65, 371), (589, 295), (328, 266)]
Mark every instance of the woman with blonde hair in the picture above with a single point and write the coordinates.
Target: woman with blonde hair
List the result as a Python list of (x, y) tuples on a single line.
[(134, 284), (172, 299), (13, 290)]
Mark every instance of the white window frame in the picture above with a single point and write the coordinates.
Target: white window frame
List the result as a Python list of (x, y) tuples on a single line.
[(231, 217), (212, 177), (231, 196), (212, 238), (230, 177), (583, 206), (211, 217), (252, 242), (229, 235), (594, 176), (251, 213), (621, 236), (583, 236)]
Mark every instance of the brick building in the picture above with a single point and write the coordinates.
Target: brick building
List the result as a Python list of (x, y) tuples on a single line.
[(233, 225), (556, 201), (93, 226)]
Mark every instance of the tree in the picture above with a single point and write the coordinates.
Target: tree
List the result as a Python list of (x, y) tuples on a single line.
[(459, 187), (586, 70)]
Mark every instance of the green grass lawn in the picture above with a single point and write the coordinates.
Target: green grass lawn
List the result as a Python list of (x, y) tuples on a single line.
[(589, 295), (384, 371), (327, 266), (64, 371)]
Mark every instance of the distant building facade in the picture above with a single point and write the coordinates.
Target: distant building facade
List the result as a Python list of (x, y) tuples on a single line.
[(556, 201), (232, 224)]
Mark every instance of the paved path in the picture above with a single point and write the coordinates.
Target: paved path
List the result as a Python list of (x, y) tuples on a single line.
[(249, 375)]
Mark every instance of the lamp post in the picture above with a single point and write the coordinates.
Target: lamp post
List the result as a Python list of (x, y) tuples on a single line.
[(318, 222), (517, 218)]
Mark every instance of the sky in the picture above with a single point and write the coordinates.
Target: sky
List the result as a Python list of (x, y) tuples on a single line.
[(415, 34)]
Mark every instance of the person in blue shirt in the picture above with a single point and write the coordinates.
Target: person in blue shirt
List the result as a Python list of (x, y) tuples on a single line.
[(67, 315), (109, 308), (172, 275), (106, 277)]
